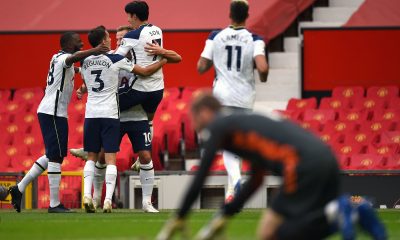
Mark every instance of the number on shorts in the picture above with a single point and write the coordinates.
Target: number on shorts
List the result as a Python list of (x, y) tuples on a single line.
[(147, 138)]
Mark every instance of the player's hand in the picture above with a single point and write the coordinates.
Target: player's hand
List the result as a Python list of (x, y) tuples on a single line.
[(214, 228), (102, 48), (171, 227), (82, 90), (154, 49)]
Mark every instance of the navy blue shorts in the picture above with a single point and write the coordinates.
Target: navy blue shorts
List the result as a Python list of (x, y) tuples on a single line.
[(148, 100), (138, 133), (55, 135), (101, 133)]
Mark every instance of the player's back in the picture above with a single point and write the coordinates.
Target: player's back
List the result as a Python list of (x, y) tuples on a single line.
[(101, 77), (233, 58), (135, 41), (59, 87)]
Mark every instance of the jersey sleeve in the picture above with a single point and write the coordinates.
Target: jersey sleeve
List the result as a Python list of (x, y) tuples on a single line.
[(208, 50), (130, 40), (124, 64), (213, 138), (63, 58), (259, 46)]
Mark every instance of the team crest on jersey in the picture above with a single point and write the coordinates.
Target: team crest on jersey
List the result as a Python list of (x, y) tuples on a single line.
[(123, 42)]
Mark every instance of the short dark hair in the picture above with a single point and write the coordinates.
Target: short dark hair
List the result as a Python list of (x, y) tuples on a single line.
[(66, 38), (97, 35), (139, 8), (205, 100), (124, 28), (239, 11)]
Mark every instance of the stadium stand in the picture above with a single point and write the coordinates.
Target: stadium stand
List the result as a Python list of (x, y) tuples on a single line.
[(362, 130)]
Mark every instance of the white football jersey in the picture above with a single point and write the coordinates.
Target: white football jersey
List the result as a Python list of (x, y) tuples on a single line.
[(134, 42), (60, 84), (101, 78), (135, 113), (232, 51)]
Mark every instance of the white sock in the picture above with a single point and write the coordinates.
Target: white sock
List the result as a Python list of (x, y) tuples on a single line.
[(99, 176), (331, 211), (232, 165), (111, 177), (151, 129), (54, 176), (88, 175), (147, 180), (37, 168)]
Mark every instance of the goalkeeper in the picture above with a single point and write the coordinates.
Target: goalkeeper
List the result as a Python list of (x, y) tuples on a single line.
[(307, 206)]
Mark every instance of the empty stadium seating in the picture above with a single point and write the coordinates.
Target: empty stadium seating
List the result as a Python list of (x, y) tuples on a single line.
[(361, 125)]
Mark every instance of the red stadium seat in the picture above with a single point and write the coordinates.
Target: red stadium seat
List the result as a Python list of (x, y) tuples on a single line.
[(189, 93), (392, 137), (394, 103), (313, 126), (330, 138), (320, 115), (14, 129), (171, 125), (376, 127), (340, 127), (365, 161), (386, 115), (28, 141), (301, 104), (370, 104), (334, 103), (71, 164), (4, 96), (218, 164), (353, 115), (169, 97), (348, 149), (344, 161), (14, 107), (384, 150), (383, 91), (392, 163), (181, 110), (350, 92), (77, 107), (289, 114), (22, 163), (28, 94), (362, 138)]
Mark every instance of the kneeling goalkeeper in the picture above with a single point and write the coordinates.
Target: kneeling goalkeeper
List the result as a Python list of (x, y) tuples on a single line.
[(307, 206)]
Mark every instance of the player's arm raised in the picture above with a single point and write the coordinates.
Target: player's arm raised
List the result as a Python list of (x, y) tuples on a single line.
[(80, 55), (155, 49), (149, 70)]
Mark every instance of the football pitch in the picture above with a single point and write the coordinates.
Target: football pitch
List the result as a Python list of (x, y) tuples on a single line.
[(127, 224)]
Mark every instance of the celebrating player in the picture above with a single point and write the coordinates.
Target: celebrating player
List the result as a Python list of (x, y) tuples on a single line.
[(233, 52), (147, 91), (307, 205), (101, 129), (52, 114)]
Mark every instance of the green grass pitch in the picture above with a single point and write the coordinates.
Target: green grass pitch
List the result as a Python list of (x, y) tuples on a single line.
[(126, 224)]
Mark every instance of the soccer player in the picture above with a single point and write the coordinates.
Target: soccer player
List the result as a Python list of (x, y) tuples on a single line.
[(234, 52), (147, 91), (307, 205), (102, 126), (3, 193), (52, 115)]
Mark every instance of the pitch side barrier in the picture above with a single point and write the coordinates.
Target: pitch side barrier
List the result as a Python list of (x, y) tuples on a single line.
[(381, 187)]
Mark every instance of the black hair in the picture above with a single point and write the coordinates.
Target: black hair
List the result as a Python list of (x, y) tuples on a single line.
[(97, 35), (139, 8), (239, 11), (66, 38)]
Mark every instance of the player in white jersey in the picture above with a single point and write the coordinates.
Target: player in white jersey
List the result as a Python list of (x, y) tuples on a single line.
[(101, 129), (52, 114), (147, 91), (234, 52)]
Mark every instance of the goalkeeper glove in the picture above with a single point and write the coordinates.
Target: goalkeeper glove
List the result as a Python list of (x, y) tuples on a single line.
[(173, 225), (213, 228)]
